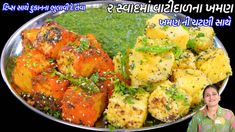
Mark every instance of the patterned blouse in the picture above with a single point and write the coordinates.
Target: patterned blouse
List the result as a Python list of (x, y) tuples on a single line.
[(224, 121)]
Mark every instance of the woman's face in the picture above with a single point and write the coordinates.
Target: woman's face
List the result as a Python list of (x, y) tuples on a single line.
[(211, 97)]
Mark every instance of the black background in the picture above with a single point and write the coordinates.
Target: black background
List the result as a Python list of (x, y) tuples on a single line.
[(15, 116)]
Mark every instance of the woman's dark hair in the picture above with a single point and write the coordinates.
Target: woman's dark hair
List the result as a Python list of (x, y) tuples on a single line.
[(210, 86)]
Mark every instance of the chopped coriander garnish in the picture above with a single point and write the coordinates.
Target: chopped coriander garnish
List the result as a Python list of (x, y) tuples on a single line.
[(175, 94), (168, 107), (200, 35), (165, 27), (95, 77), (191, 44), (177, 52), (144, 40), (51, 60), (84, 45), (154, 49), (49, 20), (129, 100), (184, 27), (127, 91), (124, 60), (86, 84), (29, 46), (111, 128)]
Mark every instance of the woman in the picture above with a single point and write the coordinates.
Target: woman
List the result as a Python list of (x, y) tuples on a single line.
[(212, 118)]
